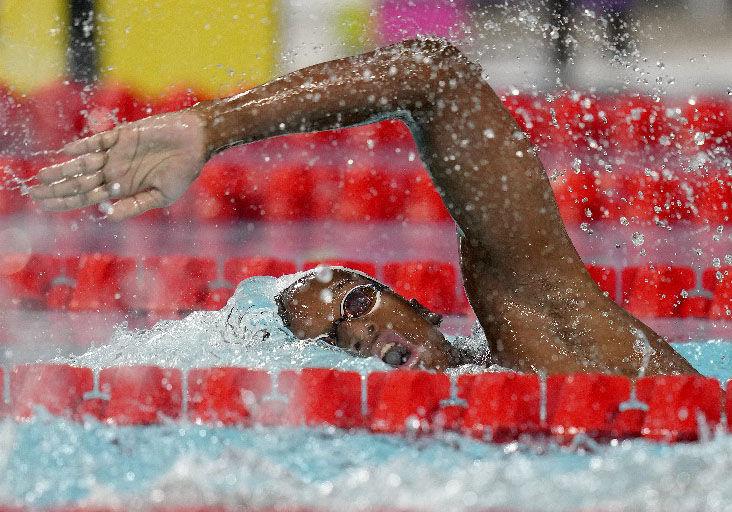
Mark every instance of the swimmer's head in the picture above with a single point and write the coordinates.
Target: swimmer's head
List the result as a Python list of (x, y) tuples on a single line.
[(357, 313)]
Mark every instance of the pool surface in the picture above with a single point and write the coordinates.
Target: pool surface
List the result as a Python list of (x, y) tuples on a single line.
[(51, 462)]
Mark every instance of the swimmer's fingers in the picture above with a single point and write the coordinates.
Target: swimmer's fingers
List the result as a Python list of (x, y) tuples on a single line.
[(94, 144), (68, 187), (85, 164), (137, 204), (82, 200)]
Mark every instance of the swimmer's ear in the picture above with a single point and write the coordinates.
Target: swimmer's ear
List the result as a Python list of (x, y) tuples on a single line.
[(432, 317)]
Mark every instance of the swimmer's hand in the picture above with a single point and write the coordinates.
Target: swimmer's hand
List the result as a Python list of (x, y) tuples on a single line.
[(128, 170)]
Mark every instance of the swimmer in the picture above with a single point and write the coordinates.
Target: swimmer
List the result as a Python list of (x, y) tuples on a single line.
[(540, 309)]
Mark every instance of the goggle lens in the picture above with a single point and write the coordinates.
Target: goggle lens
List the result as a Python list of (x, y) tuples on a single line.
[(359, 301)]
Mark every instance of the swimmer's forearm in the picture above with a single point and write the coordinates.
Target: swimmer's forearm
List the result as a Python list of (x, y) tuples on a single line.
[(327, 96), (490, 179)]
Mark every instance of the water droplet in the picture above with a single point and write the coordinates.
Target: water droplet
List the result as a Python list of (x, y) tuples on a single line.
[(489, 133), (638, 239), (324, 274), (326, 295)]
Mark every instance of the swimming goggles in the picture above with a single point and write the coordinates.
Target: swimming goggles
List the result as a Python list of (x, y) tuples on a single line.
[(359, 301)]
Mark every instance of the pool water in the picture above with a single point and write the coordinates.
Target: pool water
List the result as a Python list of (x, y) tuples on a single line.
[(51, 461)]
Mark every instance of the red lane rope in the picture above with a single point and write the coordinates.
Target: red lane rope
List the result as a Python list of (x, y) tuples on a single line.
[(495, 407)]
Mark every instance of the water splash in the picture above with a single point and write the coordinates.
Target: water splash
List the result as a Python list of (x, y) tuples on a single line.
[(54, 461), (247, 332)]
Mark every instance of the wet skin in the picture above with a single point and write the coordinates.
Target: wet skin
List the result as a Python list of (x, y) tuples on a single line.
[(531, 293), (314, 304)]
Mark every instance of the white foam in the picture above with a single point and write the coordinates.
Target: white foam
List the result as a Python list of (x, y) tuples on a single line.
[(247, 332)]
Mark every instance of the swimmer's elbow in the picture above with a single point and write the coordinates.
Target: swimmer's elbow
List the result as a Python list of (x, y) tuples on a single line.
[(440, 53)]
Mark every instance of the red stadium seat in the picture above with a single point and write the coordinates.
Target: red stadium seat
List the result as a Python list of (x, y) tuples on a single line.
[(104, 282), (368, 195), (394, 133), (712, 198), (14, 119), (140, 395), (656, 290), (56, 114), (11, 171), (533, 116), (605, 278), (709, 123), (655, 199), (578, 197), (326, 192), (571, 119), (288, 193), (225, 191), (59, 296), (719, 282), (238, 269), (59, 389), (587, 404), (405, 400), (432, 283), (637, 123), (174, 283), (580, 121), (226, 396), (462, 303), (216, 298), (177, 98), (695, 307), (362, 266), (111, 105), (676, 403), (332, 141), (62, 286), (319, 396), (500, 406), (422, 202), (27, 279)]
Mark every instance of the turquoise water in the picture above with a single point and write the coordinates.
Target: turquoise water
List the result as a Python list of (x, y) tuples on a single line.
[(51, 462), (712, 358)]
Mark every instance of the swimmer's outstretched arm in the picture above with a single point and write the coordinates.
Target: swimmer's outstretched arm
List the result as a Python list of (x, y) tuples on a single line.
[(532, 294)]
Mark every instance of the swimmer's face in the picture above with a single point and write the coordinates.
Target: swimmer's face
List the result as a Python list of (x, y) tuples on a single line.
[(365, 318)]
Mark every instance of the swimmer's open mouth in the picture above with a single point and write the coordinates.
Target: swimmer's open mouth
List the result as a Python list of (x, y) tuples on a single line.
[(395, 351)]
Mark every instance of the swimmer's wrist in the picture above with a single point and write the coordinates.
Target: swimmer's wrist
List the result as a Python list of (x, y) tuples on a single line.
[(206, 113)]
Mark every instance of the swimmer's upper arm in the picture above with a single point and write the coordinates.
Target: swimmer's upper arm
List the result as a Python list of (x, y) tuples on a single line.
[(489, 176)]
